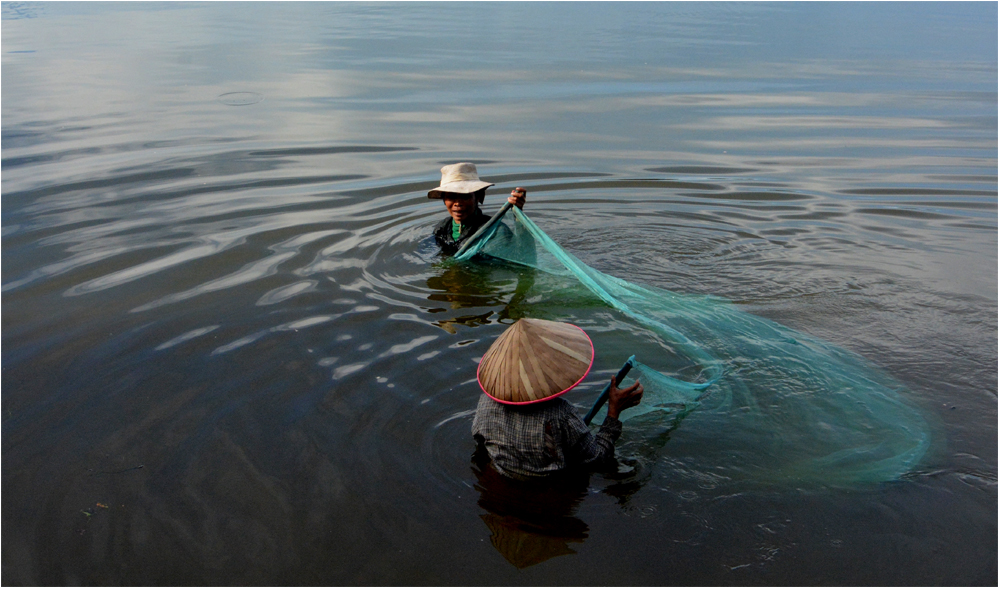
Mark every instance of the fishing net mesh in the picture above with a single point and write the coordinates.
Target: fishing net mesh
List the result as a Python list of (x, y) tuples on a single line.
[(759, 400)]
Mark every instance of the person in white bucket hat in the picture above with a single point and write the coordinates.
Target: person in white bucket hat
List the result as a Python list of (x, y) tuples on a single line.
[(462, 192)]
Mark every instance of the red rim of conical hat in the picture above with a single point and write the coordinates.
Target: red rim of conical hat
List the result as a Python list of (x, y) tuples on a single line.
[(535, 360)]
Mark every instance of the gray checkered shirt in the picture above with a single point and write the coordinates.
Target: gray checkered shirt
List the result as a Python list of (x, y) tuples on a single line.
[(541, 438)]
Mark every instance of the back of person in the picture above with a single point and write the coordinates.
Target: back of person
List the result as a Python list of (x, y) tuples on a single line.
[(527, 430), (542, 439)]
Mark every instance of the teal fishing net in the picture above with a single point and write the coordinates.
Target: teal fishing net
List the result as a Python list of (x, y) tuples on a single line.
[(759, 400)]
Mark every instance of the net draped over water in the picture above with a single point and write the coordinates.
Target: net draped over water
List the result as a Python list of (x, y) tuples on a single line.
[(758, 400)]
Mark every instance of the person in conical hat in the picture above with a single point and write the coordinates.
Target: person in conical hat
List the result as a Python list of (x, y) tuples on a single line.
[(462, 192), (522, 422)]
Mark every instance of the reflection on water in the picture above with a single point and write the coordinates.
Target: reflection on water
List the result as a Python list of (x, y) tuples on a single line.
[(530, 521), (477, 285), (239, 298)]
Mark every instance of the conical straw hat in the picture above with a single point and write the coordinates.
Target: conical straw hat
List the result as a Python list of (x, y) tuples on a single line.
[(535, 360)]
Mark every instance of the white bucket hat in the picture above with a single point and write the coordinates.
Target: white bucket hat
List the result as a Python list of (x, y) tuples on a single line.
[(461, 178)]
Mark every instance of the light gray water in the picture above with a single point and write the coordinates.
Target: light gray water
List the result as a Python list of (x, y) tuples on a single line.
[(215, 267)]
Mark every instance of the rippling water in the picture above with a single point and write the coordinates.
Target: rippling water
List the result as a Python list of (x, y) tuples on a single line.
[(231, 354)]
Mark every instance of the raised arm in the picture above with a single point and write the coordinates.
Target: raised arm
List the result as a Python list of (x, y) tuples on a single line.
[(517, 197)]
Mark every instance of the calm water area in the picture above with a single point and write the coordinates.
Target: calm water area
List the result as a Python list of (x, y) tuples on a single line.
[(231, 355)]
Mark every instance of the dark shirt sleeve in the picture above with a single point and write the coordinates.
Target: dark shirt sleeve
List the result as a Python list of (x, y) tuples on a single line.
[(585, 448)]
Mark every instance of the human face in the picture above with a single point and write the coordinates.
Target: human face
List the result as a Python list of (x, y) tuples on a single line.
[(461, 207)]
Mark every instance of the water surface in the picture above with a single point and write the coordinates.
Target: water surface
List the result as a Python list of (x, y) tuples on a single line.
[(231, 356)]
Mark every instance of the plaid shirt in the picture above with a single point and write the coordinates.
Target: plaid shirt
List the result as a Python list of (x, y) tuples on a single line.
[(539, 439)]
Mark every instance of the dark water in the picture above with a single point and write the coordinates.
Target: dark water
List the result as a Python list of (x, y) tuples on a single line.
[(230, 355)]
